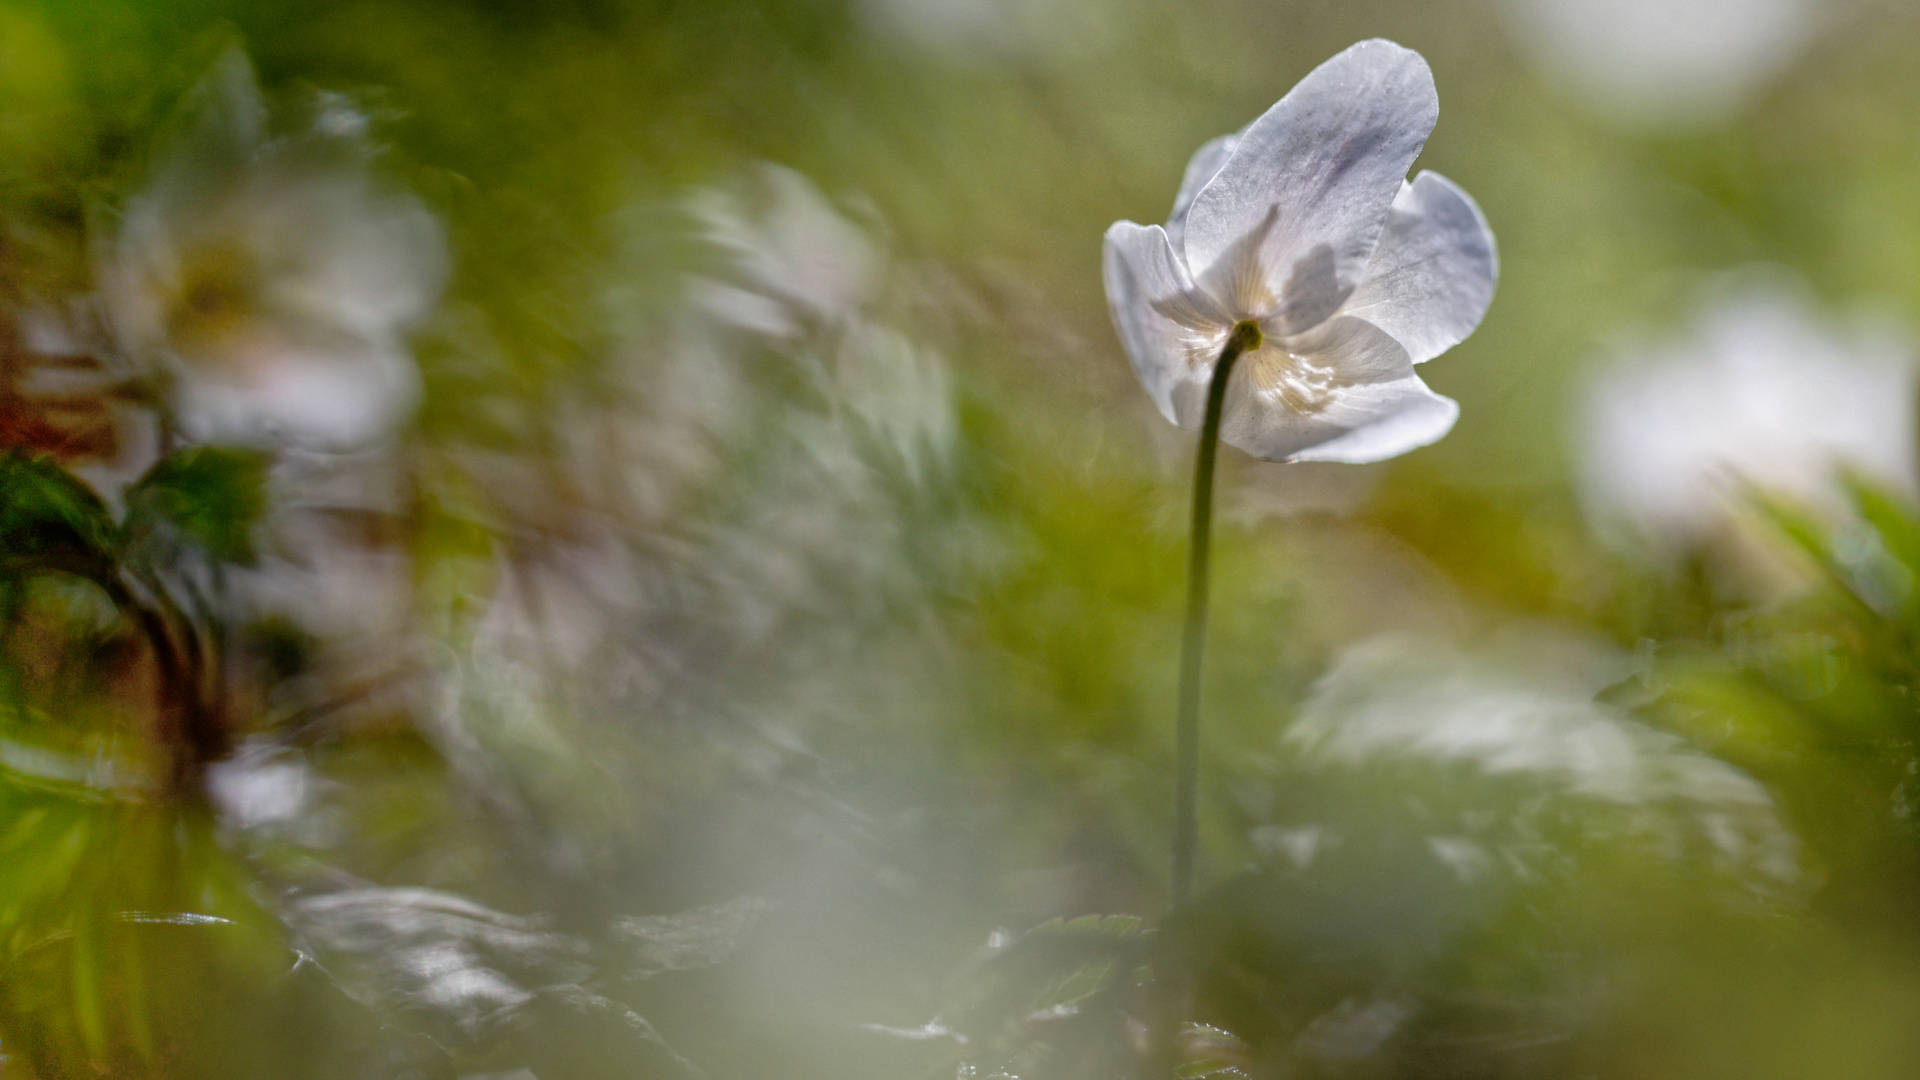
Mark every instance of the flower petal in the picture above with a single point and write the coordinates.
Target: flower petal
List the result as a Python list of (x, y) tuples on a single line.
[(1432, 276), (1204, 164), (1344, 392), (337, 397), (1417, 417), (1172, 331), (1330, 156)]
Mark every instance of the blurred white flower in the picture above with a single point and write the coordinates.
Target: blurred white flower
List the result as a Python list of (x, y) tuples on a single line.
[(1758, 391), (797, 277), (1664, 61), (258, 786), (793, 260), (975, 23), (1303, 224), (1004, 28), (274, 280), (748, 502), (1530, 718)]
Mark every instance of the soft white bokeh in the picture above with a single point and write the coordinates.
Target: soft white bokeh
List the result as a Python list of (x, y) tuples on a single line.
[(1758, 390), (741, 495), (963, 24), (1664, 61), (273, 280), (1304, 223), (791, 259), (992, 28), (252, 789), (1527, 716)]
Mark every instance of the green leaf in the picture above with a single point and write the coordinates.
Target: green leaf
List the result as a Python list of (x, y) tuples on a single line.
[(207, 496), (89, 1008), (1889, 514), (50, 519), (1794, 523)]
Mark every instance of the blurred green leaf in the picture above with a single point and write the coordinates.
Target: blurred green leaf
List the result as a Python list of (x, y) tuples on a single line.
[(1889, 514), (88, 1004), (49, 519), (210, 496)]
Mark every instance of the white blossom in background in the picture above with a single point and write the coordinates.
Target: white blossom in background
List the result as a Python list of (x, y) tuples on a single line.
[(792, 261), (799, 275), (272, 790), (743, 507), (1429, 792), (1304, 224), (1526, 715), (274, 281), (1758, 390), (1664, 62), (991, 28)]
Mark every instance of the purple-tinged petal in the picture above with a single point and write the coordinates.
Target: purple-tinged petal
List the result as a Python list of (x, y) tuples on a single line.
[(1331, 156), (1433, 274)]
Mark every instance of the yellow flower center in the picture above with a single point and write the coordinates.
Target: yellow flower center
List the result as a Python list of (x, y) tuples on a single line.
[(216, 302)]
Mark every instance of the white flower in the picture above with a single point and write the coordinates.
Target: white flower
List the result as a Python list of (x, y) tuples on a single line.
[(1304, 225), (1525, 712), (1759, 392), (274, 280), (991, 28), (795, 260), (1664, 61)]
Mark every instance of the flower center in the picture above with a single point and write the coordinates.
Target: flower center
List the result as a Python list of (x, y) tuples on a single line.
[(1246, 334), (217, 298), (1301, 385)]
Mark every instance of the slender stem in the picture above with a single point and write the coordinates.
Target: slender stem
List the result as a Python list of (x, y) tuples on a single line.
[(1186, 798)]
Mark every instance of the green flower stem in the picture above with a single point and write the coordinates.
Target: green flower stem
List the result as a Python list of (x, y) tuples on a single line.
[(1186, 798)]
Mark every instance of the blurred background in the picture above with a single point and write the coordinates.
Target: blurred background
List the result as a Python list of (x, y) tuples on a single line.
[(616, 539)]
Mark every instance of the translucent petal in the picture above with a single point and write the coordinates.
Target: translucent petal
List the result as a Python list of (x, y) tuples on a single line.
[(1344, 392), (1330, 157), (1432, 276), (1172, 331), (1205, 162), (1414, 416)]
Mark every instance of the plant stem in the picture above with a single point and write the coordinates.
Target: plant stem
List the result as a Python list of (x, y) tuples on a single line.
[(1186, 798)]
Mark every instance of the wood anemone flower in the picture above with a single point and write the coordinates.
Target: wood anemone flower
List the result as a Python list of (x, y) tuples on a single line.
[(273, 281), (1302, 226), (1283, 306)]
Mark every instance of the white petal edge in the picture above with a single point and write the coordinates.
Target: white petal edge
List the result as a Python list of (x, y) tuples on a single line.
[(1433, 275), (1332, 155), (1422, 418), (1167, 326), (1201, 169)]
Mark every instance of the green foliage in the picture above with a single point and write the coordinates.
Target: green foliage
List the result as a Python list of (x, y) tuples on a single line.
[(209, 497), (49, 520), (1817, 695), (1055, 1001)]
